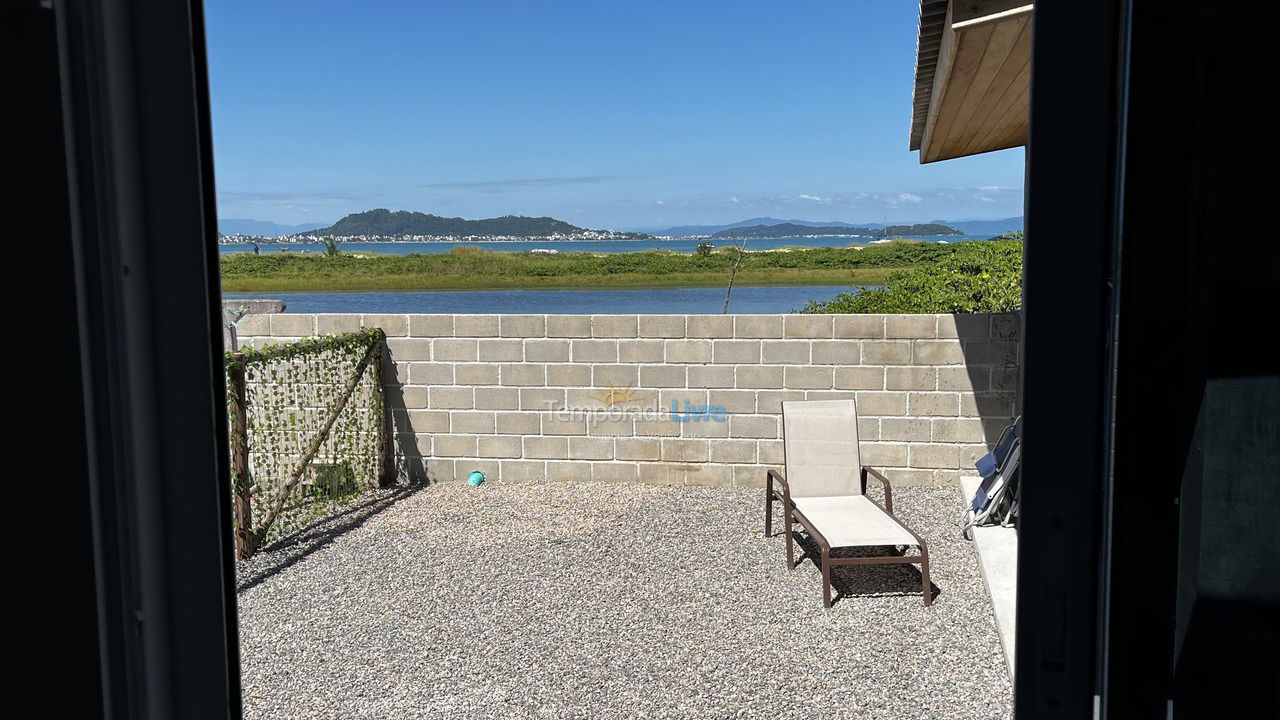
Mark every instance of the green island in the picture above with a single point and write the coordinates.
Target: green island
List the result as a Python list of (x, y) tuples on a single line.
[(469, 268)]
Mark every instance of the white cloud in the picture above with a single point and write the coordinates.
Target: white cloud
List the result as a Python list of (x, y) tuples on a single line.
[(814, 198), (909, 198)]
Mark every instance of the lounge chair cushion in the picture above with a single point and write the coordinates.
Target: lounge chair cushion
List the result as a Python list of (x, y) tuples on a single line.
[(852, 521)]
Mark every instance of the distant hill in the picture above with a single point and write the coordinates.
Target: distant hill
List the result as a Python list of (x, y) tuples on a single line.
[(792, 229), (385, 223), (985, 227), (262, 228), (683, 230)]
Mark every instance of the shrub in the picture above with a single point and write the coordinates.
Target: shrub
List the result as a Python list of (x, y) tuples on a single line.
[(975, 277)]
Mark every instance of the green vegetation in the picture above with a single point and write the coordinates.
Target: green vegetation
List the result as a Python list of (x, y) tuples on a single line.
[(385, 223), (793, 230), (973, 277), (468, 268)]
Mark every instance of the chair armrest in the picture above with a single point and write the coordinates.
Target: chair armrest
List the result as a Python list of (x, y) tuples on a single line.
[(773, 474), (888, 490)]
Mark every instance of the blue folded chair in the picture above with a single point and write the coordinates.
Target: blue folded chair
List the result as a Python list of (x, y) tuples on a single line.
[(995, 501)]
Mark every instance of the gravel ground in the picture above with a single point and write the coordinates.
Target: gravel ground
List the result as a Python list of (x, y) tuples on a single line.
[(601, 601)]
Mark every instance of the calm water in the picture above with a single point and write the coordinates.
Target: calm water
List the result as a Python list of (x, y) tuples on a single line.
[(745, 300), (616, 246)]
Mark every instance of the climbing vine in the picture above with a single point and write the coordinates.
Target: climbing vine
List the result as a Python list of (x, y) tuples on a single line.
[(307, 432)]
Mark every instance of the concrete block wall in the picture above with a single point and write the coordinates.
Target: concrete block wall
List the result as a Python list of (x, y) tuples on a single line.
[(589, 397)]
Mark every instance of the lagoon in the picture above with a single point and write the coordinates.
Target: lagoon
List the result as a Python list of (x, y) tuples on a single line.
[(678, 301)]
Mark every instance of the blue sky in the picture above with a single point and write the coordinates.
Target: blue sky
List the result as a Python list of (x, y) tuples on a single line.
[(606, 114)]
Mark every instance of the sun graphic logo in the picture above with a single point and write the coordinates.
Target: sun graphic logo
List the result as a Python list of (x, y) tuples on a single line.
[(616, 395)]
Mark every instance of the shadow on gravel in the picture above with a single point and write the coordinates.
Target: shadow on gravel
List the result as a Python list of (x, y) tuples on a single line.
[(285, 553), (865, 580)]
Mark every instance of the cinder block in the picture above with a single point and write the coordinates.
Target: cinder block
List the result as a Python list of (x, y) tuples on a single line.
[(546, 448), (711, 376), (680, 397), (965, 327), (433, 373), (407, 349), (882, 403), (905, 429), (709, 326), (1002, 380), (499, 446), (757, 326), (614, 472), (939, 403), (451, 398), (911, 326), (963, 378), (657, 428), (431, 326), (869, 429), (568, 471), (475, 374), (995, 352), (613, 326), (987, 405), (593, 351), (684, 450), (905, 477), (544, 399), (957, 430), (662, 474), (569, 375), (709, 475), (640, 351), (475, 326), (333, 323), (476, 423), (753, 426), (770, 401), (454, 445), (409, 396), (808, 326), (523, 326), (522, 471), (522, 374), (801, 377), (859, 378), (543, 350), (934, 455), (393, 373), (830, 395), (735, 351), (518, 423), (709, 428), (590, 448), (785, 352), (438, 470), (500, 350), (632, 448), (283, 324), (688, 351), (611, 427), (661, 326), (454, 349), (1007, 326), (886, 352), (392, 325), (497, 398), (733, 451), (428, 421), (836, 352), (569, 326), (259, 324), (749, 476), (619, 376), (869, 327), (554, 424), (742, 402), (938, 352), (758, 376), (771, 452), (662, 376), (911, 378)]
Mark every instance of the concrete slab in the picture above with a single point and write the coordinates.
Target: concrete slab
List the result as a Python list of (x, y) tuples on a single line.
[(998, 557)]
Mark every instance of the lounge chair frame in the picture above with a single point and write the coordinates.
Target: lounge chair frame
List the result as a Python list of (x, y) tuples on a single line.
[(777, 489)]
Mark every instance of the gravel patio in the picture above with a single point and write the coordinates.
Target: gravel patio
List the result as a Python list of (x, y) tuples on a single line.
[(600, 600)]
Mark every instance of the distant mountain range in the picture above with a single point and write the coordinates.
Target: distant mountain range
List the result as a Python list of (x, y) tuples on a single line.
[(792, 230), (386, 223), (968, 227), (263, 228)]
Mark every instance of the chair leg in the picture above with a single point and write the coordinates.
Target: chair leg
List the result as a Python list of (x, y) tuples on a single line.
[(791, 550), (924, 576), (768, 508), (826, 578)]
